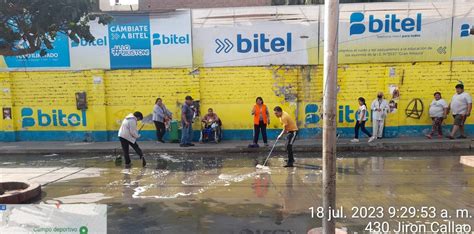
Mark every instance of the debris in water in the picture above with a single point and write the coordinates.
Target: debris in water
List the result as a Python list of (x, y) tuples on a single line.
[(262, 167)]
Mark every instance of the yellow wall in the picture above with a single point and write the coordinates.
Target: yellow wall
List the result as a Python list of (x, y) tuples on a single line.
[(48, 91), (130, 90), (417, 80), (231, 91)]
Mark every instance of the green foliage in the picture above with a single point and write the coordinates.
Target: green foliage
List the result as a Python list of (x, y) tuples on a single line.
[(38, 22)]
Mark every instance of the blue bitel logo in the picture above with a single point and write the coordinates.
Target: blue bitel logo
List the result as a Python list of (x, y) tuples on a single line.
[(101, 41), (465, 30), (391, 23), (55, 118), (171, 39), (260, 42), (311, 114), (357, 27)]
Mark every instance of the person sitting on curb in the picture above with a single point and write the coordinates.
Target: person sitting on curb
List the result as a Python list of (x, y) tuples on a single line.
[(289, 128), (128, 135), (438, 111), (461, 106)]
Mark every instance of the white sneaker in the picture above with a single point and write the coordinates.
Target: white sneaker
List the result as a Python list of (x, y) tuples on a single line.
[(371, 139), (355, 140)]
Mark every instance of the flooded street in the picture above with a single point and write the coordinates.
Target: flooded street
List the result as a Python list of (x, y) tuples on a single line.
[(227, 194)]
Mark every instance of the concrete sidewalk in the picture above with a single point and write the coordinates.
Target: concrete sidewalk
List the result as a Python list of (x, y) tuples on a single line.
[(306, 145)]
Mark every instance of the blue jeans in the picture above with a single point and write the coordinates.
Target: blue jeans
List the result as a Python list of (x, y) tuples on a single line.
[(186, 134)]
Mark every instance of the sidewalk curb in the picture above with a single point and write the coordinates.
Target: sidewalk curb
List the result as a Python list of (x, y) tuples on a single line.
[(385, 146)]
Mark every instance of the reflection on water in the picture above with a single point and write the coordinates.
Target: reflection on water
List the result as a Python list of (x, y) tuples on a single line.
[(188, 194)]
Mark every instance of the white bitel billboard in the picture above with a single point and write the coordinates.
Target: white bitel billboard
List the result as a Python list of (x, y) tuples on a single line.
[(91, 55), (255, 36), (171, 43), (463, 24), (393, 32)]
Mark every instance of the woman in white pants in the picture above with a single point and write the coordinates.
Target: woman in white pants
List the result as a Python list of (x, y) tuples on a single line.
[(379, 109)]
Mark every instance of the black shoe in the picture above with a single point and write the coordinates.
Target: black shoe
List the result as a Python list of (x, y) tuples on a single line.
[(450, 137), (190, 144), (379, 138), (183, 145), (128, 165), (254, 145), (461, 137), (143, 162), (162, 141), (289, 165)]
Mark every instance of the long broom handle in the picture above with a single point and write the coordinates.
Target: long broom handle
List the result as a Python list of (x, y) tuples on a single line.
[(271, 151), (143, 124)]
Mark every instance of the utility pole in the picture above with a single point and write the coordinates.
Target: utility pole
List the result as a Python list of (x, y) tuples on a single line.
[(331, 24)]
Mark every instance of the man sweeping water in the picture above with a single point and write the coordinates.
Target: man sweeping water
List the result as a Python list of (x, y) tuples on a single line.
[(128, 135), (290, 129)]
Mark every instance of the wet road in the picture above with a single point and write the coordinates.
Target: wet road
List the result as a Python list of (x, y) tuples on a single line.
[(226, 194)]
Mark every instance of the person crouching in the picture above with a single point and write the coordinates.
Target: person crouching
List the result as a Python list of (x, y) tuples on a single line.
[(128, 135)]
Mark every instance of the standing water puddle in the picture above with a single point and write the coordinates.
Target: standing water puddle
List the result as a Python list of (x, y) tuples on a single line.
[(227, 194)]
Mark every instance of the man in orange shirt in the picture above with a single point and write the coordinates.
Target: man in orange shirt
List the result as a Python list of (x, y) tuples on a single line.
[(289, 128)]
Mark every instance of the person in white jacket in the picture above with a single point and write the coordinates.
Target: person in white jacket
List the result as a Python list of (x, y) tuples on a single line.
[(379, 109), (128, 135)]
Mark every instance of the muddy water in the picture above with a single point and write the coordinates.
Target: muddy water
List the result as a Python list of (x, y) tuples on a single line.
[(227, 194)]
